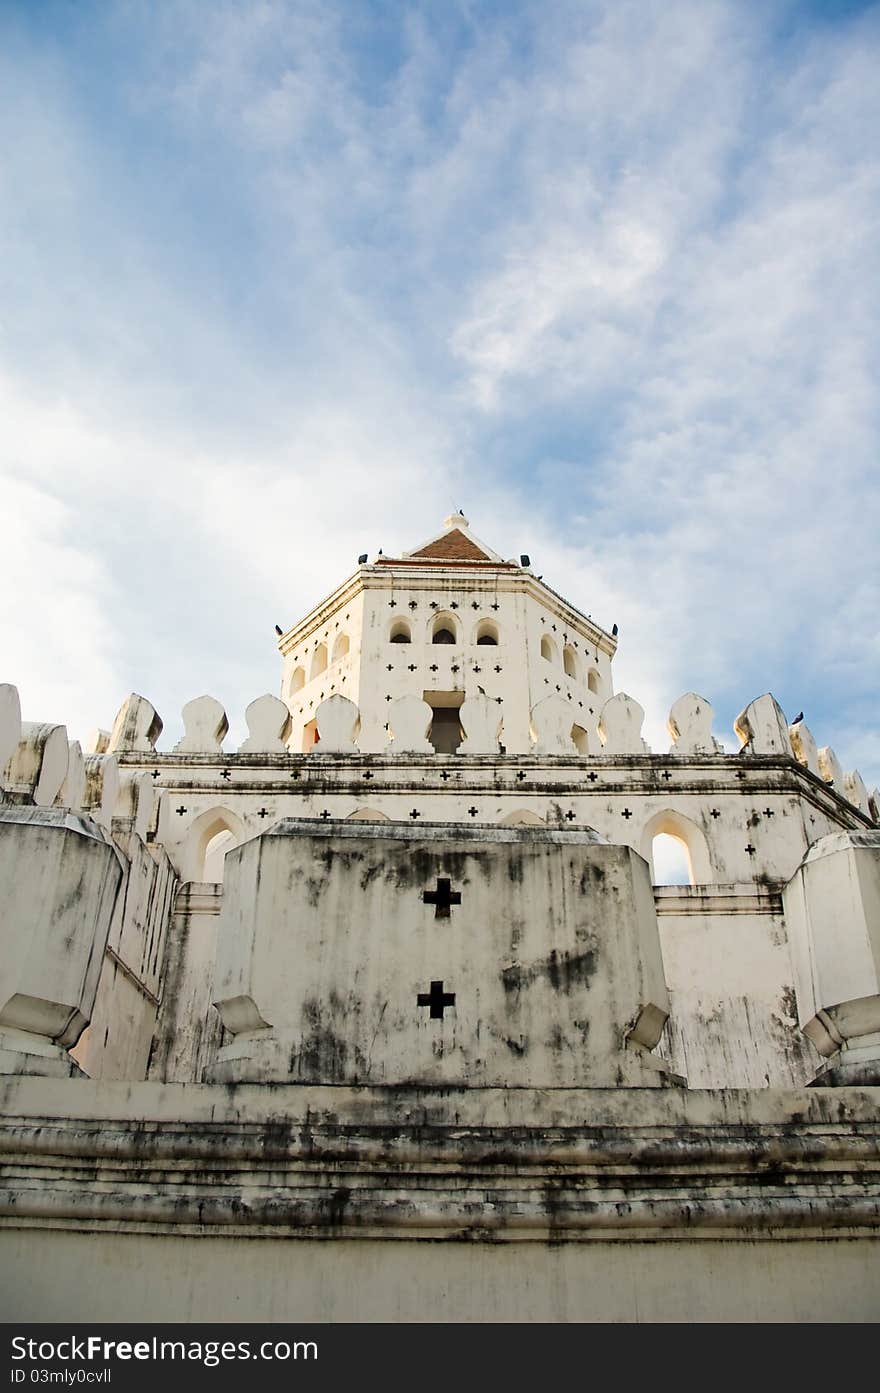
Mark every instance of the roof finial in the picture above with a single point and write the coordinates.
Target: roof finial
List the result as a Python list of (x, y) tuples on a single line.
[(456, 520)]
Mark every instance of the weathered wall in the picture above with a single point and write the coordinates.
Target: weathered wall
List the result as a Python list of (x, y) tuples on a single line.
[(117, 1043), (373, 953), (733, 1015), (189, 1031)]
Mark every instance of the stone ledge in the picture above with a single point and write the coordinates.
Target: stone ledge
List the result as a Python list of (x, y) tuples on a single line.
[(459, 1164)]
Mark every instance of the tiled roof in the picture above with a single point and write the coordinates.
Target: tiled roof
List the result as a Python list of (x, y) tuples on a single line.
[(452, 546)]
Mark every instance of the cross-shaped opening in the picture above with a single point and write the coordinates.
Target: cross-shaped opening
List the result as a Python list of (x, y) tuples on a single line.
[(437, 999), (442, 898)]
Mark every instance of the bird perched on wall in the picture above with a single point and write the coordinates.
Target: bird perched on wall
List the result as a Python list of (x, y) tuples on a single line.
[(480, 690), (278, 629), (798, 717)]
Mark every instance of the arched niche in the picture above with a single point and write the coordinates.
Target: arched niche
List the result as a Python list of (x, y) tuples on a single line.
[(522, 817), (444, 629), (548, 649), (400, 632), (205, 847), (670, 823), (594, 681), (569, 661), (487, 633), (319, 661), (367, 815), (340, 647), (298, 679)]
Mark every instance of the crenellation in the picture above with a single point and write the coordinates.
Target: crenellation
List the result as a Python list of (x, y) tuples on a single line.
[(137, 726), (205, 727), (37, 768), (73, 791), (804, 746), (830, 769), (762, 728), (620, 726), (10, 727)]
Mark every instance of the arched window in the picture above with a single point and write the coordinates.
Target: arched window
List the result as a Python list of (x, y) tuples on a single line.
[(400, 632), (311, 736), (215, 854), (548, 649), (675, 847), (444, 629), (209, 838), (298, 679), (581, 741), (487, 633), (671, 862), (319, 661), (594, 681), (340, 647), (569, 661)]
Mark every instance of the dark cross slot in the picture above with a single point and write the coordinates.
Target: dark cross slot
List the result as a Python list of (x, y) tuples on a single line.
[(474, 604), (472, 812), (388, 697), (389, 668), (768, 812), (325, 815), (442, 898), (433, 604), (496, 606), (411, 668), (225, 774), (368, 773), (392, 604), (444, 774), (497, 667), (666, 775), (437, 999), (714, 812), (570, 816), (626, 813), (750, 849), (498, 700), (454, 604), (413, 604), (294, 773), (592, 776), (180, 811), (454, 667), (477, 669), (521, 774), (415, 813), (433, 667), (156, 774), (740, 773), (263, 812)]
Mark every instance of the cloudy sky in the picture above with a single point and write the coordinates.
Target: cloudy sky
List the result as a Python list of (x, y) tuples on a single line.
[(287, 280)]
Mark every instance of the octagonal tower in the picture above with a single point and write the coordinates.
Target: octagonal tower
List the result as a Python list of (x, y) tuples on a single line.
[(446, 622)]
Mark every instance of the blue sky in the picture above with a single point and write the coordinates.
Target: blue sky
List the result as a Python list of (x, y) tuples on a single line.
[(284, 281)]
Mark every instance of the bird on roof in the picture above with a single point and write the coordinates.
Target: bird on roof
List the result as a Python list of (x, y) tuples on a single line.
[(799, 717), (278, 629)]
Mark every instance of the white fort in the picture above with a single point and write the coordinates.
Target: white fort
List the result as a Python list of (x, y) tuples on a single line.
[(401, 968)]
